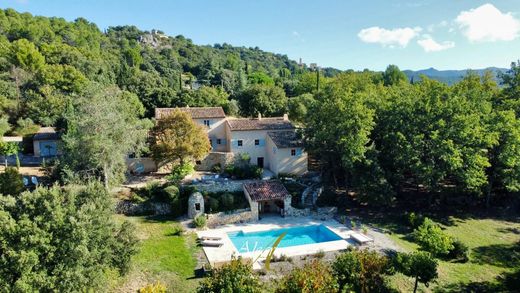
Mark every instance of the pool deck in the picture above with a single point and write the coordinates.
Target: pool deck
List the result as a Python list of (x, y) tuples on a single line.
[(219, 255)]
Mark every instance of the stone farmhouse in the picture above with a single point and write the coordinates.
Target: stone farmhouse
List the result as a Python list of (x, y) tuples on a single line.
[(271, 143)]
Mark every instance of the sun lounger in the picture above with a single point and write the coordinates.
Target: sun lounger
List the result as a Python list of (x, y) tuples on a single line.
[(360, 238), (216, 238), (211, 243)]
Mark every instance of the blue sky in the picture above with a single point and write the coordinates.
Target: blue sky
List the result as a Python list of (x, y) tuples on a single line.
[(414, 34)]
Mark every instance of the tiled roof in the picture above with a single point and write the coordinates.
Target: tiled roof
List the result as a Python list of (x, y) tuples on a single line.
[(266, 190), (46, 133), (286, 139), (195, 112), (278, 123)]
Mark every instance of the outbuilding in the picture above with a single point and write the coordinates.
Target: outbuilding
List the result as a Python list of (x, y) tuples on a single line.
[(267, 197), (46, 142)]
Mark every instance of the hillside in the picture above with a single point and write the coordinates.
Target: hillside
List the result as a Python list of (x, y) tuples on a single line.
[(450, 76)]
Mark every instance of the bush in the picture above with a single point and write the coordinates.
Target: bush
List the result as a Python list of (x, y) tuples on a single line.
[(152, 190), (11, 182), (358, 269), (200, 221), (419, 265), (228, 201), (414, 220), (241, 170), (312, 277), (235, 276), (459, 252), (153, 288), (319, 254), (213, 204), (180, 171), (217, 168), (431, 238), (177, 229)]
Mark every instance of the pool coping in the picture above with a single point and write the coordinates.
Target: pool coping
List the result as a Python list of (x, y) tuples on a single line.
[(218, 256)]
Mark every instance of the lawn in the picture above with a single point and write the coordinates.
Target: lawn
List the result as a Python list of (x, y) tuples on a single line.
[(164, 257), (492, 247)]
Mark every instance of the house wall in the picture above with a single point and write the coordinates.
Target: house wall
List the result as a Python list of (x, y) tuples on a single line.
[(36, 146), (253, 205), (216, 130), (283, 162)]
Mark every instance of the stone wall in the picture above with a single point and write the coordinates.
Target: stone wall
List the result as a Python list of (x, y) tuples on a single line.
[(215, 158), (324, 213), (222, 186), (238, 216), (129, 208)]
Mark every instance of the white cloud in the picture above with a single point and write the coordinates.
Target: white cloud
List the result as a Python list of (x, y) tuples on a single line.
[(430, 45), (488, 24), (389, 37)]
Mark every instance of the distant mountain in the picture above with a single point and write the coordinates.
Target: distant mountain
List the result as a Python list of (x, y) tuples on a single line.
[(450, 76)]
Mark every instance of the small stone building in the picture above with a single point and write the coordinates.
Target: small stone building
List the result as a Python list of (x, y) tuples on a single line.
[(267, 197), (195, 205), (46, 142)]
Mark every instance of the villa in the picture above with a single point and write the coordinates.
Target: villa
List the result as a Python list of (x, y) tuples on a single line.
[(271, 143)]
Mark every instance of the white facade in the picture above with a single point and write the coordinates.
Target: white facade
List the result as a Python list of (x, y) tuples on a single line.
[(251, 136)]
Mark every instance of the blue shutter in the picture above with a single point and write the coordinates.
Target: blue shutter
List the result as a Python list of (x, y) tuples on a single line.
[(209, 123), (213, 142), (298, 152), (261, 142), (234, 143), (274, 150), (224, 141)]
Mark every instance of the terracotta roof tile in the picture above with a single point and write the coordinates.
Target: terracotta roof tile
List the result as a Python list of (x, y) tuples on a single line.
[(195, 112), (266, 190), (278, 123), (286, 139)]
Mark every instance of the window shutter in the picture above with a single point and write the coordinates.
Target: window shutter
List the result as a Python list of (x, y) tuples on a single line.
[(298, 152), (261, 142), (224, 141), (234, 143)]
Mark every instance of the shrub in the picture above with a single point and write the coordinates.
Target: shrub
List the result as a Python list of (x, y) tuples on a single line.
[(414, 220), (361, 271), (459, 252), (217, 168), (177, 229), (213, 204), (235, 276), (11, 182), (312, 277), (200, 221), (153, 288), (319, 254), (431, 238), (180, 171), (228, 201), (152, 190), (171, 195)]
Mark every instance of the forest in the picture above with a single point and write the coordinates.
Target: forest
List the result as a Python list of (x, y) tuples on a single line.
[(376, 134)]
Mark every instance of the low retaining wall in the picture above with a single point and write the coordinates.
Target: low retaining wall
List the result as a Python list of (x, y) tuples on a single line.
[(238, 216), (222, 186), (324, 213), (129, 208)]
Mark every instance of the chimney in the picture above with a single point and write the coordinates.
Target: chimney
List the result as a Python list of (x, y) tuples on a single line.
[(259, 116), (285, 117)]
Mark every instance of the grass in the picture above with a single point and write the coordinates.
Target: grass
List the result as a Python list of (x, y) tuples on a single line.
[(163, 256), (492, 247)]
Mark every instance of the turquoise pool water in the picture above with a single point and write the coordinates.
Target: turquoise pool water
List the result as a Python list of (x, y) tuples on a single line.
[(254, 241)]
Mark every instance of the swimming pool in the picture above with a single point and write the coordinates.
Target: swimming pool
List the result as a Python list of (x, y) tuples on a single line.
[(300, 235)]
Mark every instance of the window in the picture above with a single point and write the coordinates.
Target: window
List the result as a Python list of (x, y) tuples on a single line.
[(257, 142), (240, 143), (198, 162), (197, 206), (206, 123), (293, 152), (219, 141)]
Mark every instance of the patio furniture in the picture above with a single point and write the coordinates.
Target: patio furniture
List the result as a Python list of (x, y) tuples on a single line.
[(361, 238), (211, 243), (215, 238)]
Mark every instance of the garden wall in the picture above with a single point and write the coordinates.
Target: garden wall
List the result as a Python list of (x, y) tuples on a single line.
[(222, 186), (222, 218)]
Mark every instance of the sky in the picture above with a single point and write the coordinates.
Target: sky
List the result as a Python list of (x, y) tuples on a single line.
[(345, 34)]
